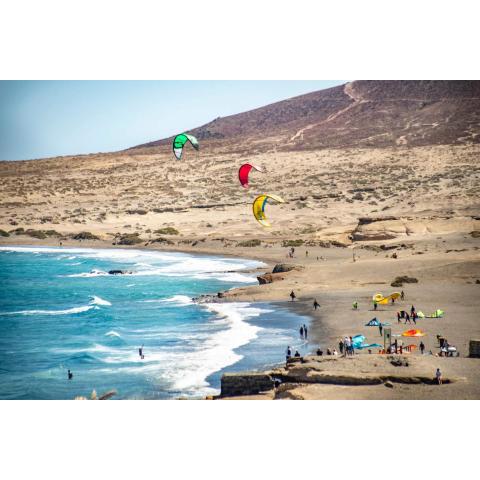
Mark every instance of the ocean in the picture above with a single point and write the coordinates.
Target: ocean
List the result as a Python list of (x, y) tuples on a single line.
[(60, 310)]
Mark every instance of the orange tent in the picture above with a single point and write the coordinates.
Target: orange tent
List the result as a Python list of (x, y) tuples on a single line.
[(413, 333)]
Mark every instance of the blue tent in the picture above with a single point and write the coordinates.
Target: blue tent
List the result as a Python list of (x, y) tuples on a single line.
[(373, 323)]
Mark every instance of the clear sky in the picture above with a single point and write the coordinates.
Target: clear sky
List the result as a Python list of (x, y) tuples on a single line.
[(49, 118)]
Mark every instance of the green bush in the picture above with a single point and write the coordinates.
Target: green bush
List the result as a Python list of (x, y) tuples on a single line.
[(85, 236), (3, 233), (167, 231), (129, 239), (40, 234), (293, 243), (166, 241), (249, 243)]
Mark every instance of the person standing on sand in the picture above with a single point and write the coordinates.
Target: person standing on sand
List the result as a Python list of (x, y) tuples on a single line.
[(306, 253), (438, 376), (340, 346), (422, 347), (301, 331), (407, 319), (355, 305), (402, 295), (346, 346), (292, 295), (396, 345), (412, 310), (288, 353), (398, 317), (315, 304), (380, 328), (375, 304)]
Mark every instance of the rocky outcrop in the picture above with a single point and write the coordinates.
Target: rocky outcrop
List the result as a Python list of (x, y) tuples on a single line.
[(248, 383), (270, 278), (286, 267)]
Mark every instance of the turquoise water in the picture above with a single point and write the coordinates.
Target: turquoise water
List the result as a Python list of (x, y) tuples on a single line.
[(60, 310)]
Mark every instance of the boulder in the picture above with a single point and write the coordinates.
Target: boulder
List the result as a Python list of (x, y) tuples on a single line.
[(286, 267), (270, 278)]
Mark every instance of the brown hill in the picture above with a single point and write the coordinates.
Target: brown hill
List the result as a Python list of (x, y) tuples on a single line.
[(357, 114)]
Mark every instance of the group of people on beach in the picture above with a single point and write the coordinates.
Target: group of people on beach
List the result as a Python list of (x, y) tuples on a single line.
[(403, 314), (288, 353), (345, 346)]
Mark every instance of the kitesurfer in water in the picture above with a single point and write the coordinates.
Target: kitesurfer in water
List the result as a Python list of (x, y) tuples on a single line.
[(70, 375), (140, 352)]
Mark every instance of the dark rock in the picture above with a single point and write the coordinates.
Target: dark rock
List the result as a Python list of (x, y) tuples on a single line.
[(247, 383), (270, 278), (286, 267)]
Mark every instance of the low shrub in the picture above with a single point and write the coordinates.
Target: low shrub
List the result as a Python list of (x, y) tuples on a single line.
[(249, 243)]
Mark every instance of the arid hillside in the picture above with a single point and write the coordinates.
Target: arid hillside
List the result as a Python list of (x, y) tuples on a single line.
[(358, 114), (404, 154)]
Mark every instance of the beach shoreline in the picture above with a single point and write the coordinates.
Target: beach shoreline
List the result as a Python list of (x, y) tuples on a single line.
[(330, 275)]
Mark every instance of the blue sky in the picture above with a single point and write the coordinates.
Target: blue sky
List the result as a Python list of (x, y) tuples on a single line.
[(49, 118)]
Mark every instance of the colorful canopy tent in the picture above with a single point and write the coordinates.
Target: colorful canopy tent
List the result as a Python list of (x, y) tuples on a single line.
[(413, 333), (381, 300), (244, 171), (259, 207), (179, 142)]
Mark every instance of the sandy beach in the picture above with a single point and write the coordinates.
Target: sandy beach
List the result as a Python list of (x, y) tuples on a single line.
[(357, 219)]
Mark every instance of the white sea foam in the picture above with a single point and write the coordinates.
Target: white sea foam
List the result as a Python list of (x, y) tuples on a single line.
[(100, 301), (153, 262), (113, 333), (69, 311), (178, 300), (188, 370)]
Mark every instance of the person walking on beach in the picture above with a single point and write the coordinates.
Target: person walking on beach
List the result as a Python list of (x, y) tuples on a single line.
[(407, 319), (306, 253), (398, 317), (438, 376), (315, 304), (352, 349), (305, 331), (422, 347), (375, 304), (414, 317), (301, 331), (396, 345), (402, 295), (412, 310), (292, 295), (380, 328), (288, 353), (70, 375)]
